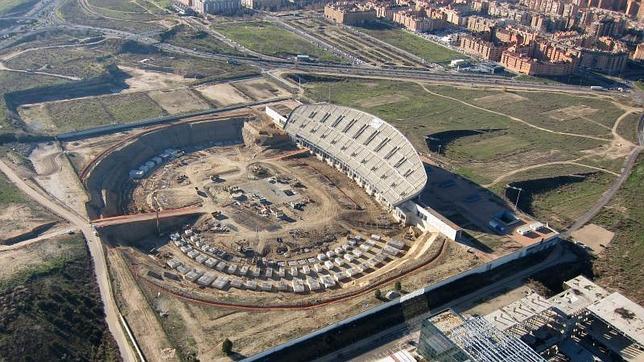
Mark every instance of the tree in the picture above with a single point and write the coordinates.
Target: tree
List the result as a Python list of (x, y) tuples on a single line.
[(377, 293), (398, 286), (227, 346)]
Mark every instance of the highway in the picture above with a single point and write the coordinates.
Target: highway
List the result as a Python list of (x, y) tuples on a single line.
[(112, 315), (271, 63), (373, 348)]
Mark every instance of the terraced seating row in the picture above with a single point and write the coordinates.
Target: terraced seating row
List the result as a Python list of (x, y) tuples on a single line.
[(328, 270)]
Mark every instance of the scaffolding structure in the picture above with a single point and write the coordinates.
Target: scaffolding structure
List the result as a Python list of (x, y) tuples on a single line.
[(485, 343)]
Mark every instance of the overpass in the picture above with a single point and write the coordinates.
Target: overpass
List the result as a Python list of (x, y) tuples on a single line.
[(146, 216)]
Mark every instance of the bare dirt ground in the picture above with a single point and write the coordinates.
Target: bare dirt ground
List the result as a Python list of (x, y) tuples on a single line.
[(594, 236), (223, 94), (260, 89), (328, 196), (201, 328), (504, 98), (176, 101), (37, 117), (17, 219), (31, 255), (572, 112), (138, 313), (147, 80), (82, 152), (56, 175)]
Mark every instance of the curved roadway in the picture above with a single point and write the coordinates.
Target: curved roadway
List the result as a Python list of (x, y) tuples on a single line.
[(112, 315)]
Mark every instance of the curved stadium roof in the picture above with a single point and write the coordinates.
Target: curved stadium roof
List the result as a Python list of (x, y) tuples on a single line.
[(371, 147)]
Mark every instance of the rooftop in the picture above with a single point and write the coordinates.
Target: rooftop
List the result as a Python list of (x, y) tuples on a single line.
[(622, 314), (580, 294), (366, 145)]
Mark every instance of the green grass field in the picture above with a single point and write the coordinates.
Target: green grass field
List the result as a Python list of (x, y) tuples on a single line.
[(628, 127), (199, 40), (425, 49), (92, 112), (10, 82), (621, 264), (480, 157), (266, 38), (78, 62), (9, 194), (555, 111), (73, 13), (553, 196)]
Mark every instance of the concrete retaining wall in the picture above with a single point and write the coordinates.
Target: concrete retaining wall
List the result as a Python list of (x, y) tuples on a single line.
[(109, 180), (351, 330)]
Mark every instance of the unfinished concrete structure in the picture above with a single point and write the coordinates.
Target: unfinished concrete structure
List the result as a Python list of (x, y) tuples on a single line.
[(107, 180)]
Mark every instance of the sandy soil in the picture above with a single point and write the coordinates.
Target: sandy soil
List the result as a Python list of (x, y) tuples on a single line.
[(145, 80), (37, 117), (496, 99), (17, 260), (140, 316), (56, 175), (82, 152), (572, 112), (223, 94), (176, 101), (18, 219), (594, 236), (202, 328), (260, 89)]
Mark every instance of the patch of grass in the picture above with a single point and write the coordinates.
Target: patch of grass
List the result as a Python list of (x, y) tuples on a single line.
[(9, 194), (202, 70), (11, 82), (560, 200), (628, 127), (53, 312), (73, 13), (266, 38), (198, 40), (15, 6), (587, 115), (78, 62), (423, 48), (92, 112), (116, 5), (485, 148), (640, 85), (121, 9), (484, 157), (621, 264)]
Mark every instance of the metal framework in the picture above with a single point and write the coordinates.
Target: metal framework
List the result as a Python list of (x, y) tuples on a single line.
[(485, 343)]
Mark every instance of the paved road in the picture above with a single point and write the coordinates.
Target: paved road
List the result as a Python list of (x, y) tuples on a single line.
[(373, 347), (112, 315), (612, 190)]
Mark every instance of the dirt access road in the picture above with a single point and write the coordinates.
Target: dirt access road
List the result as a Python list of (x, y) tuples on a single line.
[(112, 315)]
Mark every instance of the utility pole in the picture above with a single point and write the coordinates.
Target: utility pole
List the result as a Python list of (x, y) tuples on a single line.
[(516, 202)]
